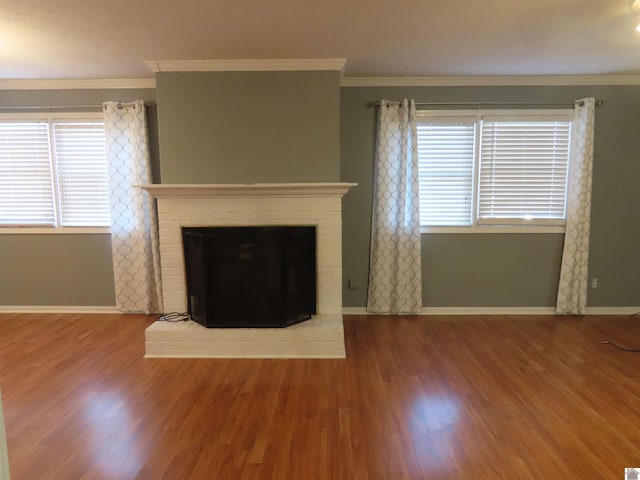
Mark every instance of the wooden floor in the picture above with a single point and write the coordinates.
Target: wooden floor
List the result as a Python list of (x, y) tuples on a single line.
[(417, 398)]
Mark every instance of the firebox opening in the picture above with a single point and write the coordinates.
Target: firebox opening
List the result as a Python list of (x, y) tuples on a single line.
[(250, 277)]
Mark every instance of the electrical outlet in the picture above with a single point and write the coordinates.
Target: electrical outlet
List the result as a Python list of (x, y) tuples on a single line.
[(594, 283)]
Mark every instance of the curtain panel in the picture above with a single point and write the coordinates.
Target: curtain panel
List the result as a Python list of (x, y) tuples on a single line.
[(395, 271), (574, 271), (134, 231)]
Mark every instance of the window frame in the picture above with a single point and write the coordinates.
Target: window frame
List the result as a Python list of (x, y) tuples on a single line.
[(503, 115), (51, 117)]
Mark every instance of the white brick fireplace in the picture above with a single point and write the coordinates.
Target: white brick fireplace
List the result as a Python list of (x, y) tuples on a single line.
[(316, 204)]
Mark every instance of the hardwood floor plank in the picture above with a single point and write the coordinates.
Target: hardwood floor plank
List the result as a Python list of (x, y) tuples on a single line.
[(432, 397)]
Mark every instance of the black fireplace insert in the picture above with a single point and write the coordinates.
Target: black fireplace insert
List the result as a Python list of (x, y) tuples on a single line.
[(250, 277)]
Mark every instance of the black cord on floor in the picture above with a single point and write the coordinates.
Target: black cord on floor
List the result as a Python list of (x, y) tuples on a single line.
[(634, 315), (607, 342), (174, 317)]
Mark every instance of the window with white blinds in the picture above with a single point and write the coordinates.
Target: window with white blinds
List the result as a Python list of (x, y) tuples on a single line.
[(53, 172), (493, 167), (446, 150), (523, 172), (82, 173), (26, 181)]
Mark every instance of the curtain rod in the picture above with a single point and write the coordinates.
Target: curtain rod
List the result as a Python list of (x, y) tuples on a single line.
[(484, 104), (64, 107)]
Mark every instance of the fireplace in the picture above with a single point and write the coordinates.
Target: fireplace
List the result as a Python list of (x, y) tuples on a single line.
[(243, 277), (250, 205)]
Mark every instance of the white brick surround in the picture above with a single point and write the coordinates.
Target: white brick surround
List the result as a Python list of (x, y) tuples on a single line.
[(325, 213), (278, 205), (313, 204)]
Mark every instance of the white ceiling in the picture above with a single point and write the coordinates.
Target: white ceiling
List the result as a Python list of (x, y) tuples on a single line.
[(112, 38)]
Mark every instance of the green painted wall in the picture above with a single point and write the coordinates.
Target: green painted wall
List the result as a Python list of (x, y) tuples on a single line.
[(246, 127), (59, 269), (509, 270), (310, 130), (64, 269)]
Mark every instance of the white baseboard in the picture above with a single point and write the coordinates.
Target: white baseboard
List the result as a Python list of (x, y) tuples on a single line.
[(500, 311), (349, 310), (612, 310), (56, 309), (464, 311)]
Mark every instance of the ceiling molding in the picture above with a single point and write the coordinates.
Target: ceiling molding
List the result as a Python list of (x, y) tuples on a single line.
[(505, 80), (258, 65), (77, 84)]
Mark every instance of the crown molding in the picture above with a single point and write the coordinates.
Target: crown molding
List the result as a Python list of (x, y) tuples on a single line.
[(257, 65), (504, 80), (77, 84)]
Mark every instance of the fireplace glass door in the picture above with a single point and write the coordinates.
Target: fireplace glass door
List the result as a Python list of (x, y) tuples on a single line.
[(250, 276)]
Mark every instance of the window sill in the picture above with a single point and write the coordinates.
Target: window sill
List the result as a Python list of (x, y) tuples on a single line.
[(53, 230), (493, 229)]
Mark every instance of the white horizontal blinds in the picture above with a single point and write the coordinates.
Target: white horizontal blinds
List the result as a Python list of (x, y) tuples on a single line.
[(82, 173), (26, 186), (523, 172), (445, 154)]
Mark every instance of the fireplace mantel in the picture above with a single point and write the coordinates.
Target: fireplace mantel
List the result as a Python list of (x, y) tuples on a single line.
[(168, 190)]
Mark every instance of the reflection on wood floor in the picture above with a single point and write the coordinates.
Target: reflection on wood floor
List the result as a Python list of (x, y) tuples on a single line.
[(483, 397)]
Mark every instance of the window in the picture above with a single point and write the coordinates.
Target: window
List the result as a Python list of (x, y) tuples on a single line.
[(493, 168), (53, 171), (446, 156)]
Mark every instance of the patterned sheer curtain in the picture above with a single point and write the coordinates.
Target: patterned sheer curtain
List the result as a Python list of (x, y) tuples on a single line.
[(134, 232), (395, 272), (572, 289)]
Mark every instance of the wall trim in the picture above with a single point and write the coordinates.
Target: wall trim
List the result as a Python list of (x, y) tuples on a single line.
[(464, 311), (501, 311), (612, 310), (348, 310), (247, 65), (77, 84), (504, 80), (57, 309)]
